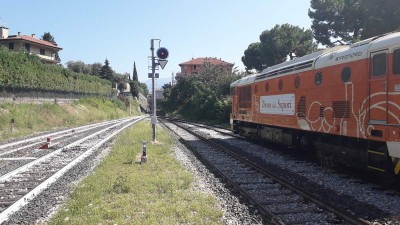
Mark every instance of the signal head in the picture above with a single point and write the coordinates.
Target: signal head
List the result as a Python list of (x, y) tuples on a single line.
[(162, 53)]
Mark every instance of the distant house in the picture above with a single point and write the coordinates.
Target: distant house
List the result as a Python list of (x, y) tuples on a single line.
[(159, 97), (194, 66), (44, 49)]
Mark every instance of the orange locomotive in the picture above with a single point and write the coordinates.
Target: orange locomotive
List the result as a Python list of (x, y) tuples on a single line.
[(342, 102)]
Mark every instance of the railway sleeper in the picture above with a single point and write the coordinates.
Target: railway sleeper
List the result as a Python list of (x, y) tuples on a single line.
[(6, 203), (295, 211), (278, 201)]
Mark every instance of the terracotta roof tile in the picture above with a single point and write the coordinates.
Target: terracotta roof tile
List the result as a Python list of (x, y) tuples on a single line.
[(201, 61), (32, 39)]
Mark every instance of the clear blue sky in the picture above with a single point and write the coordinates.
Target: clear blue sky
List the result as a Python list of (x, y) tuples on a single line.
[(120, 30)]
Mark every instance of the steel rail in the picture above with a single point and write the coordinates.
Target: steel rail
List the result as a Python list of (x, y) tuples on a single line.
[(323, 204), (4, 215)]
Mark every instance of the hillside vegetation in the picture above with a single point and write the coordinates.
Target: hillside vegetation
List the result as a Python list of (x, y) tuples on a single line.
[(201, 97), (31, 118), (27, 71)]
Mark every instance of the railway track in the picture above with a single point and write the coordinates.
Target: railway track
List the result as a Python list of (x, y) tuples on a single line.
[(36, 169), (18, 153), (280, 202)]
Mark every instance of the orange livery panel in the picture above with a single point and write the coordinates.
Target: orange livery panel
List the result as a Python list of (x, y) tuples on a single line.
[(347, 94)]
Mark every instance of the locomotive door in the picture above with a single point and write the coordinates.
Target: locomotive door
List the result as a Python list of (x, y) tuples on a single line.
[(378, 91)]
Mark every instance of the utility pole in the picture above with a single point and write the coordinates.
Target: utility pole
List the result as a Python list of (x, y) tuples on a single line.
[(162, 55)]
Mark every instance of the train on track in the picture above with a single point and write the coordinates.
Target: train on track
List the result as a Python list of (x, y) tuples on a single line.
[(343, 103)]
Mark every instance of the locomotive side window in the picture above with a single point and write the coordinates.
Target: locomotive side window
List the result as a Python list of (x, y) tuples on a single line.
[(346, 73), (318, 78), (266, 87), (280, 85), (245, 97), (297, 82), (379, 64), (396, 61)]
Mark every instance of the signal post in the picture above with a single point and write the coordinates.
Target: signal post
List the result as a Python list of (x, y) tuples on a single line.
[(162, 55)]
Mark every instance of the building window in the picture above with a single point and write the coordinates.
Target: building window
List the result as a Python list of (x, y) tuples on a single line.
[(396, 61), (42, 51), (194, 66), (379, 64), (27, 47), (11, 46)]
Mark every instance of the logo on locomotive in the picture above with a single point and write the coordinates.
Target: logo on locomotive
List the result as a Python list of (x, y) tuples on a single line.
[(278, 104)]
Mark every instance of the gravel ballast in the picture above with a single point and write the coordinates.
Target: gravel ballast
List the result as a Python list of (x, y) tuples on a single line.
[(49, 201)]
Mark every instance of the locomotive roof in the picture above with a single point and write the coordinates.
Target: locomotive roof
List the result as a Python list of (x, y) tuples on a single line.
[(245, 80), (328, 57), (300, 64), (359, 50)]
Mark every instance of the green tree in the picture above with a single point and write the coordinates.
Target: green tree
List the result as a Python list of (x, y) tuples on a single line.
[(336, 21), (106, 71), (48, 37), (134, 88), (202, 96), (348, 21), (276, 45), (382, 16), (134, 74), (95, 69), (252, 57), (76, 66), (81, 67), (121, 80), (167, 90)]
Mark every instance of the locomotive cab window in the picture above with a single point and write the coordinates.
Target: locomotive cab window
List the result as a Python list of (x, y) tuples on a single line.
[(396, 61), (379, 64)]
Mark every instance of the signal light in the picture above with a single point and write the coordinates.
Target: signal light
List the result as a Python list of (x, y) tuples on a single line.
[(162, 53)]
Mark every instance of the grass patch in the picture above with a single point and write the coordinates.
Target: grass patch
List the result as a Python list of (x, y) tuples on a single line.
[(32, 118), (121, 191)]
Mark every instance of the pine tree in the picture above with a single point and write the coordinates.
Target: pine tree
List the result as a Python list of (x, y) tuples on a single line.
[(134, 75), (48, 37), (106, 72)]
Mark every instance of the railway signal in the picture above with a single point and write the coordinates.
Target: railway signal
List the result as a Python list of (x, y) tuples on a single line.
[(162, 55)]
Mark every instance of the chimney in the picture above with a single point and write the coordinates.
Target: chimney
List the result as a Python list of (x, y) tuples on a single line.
[(19, 33), (33, 35), (3, 32)]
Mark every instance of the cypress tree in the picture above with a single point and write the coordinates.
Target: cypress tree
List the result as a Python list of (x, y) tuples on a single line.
[(134, 75)]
